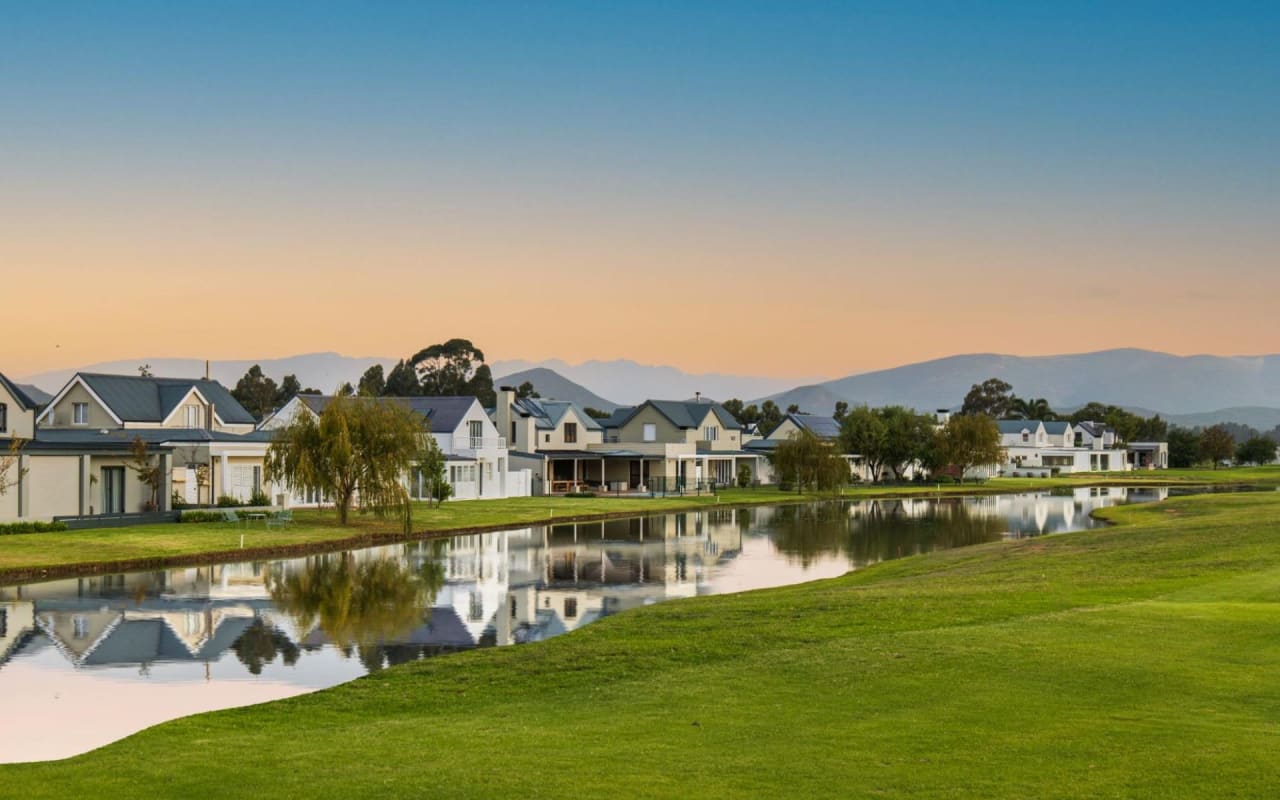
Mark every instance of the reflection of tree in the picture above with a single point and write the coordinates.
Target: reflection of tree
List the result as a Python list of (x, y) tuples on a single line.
[(806, 532), (260, 645), (879, 530), (352, 602), (886, 530)]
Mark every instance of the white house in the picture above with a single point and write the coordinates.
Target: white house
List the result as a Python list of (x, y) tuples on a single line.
[(1039, 448), (478, 460)]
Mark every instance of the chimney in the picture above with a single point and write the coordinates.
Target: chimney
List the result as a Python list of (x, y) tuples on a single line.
[(697, 397), (206, 369), (502, 414)]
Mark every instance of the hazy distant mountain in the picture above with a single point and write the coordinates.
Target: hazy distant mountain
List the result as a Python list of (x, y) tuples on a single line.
[(1174, 384), (1261, 419), (630, 383), (323, 371), (554, 386)]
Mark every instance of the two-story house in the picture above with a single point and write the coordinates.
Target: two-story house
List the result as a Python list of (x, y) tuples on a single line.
[(556, 440), (823, 427), (1035, 447), (77, 460), (477, 455), (698, 441)]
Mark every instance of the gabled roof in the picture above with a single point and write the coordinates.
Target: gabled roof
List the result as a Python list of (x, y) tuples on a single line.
[(1011, 426), (1056, 427), (822, 427), (133, 398), (444, 414), (547, 414), (1094, 429), (23, 394), (684, 414)]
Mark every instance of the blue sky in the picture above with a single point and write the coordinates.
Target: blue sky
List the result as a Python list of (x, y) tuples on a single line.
[(851, 149)]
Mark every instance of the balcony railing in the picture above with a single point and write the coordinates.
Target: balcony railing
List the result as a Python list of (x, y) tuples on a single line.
[(480, 442)]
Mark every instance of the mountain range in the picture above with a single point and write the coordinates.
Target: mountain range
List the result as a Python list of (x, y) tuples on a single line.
[(1175, 385), (1187, 390)]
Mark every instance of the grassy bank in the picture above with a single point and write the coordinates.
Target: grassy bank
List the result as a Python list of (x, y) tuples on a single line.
[(1135, 661), (28, 557)]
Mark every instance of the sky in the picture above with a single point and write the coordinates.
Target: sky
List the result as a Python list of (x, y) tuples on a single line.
[(787, 189)]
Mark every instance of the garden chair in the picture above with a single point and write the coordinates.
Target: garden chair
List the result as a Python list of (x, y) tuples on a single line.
[(281, 519), (229, 515)]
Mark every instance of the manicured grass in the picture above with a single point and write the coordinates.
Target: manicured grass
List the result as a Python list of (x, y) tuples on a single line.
[(23, 555), (1135, 661)]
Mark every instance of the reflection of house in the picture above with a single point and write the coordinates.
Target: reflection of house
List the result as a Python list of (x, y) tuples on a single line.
[(477, 456), (17, 622)]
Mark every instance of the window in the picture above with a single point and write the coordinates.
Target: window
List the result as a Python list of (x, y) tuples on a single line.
[(80, 626), (476, 428), (570, 432), (192, 416), (4, 418), (79, 413), (571, 608), (650, 432), (513, 606), (476, 612), (710, 433)]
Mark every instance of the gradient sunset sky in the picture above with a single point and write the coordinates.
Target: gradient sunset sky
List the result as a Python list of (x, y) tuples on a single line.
[(795, 189)]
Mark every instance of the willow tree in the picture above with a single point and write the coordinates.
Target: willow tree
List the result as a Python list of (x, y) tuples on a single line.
[(357, 449), (810, 462), (968, 441)]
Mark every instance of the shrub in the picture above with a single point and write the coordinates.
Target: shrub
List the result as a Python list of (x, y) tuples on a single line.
[(785, 486), (177, 501), (200, 516), (259, 498), (940, 478), (744, 476), (32, 527), (226, 501), (580, 494)]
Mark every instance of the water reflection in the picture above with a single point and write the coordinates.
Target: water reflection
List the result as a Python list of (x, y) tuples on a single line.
[(255, 630)]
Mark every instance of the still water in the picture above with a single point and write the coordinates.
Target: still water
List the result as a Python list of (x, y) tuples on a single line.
[(86, 661)]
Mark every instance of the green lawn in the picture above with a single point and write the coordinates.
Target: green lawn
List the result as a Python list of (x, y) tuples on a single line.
[(1134, 661), (24, 557)]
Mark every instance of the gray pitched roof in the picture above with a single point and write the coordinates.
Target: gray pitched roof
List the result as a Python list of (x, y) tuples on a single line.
[(686, 414), (1008, 426), (1056, 427), (548, 413), (444, 414), (822, 427), (1094, 429), (24, 394), (134, 398)]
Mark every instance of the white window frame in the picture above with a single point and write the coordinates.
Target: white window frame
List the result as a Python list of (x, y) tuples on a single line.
[(711, 433), (650, 432), (192, 415), (79, 413)]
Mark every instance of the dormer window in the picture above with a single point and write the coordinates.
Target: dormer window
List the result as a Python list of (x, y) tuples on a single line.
[(1026, 437), (192, 415), (79, 413), (4, 418), (710, 433), (570, 432)]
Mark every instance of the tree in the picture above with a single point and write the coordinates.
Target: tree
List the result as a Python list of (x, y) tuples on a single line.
[(864, 433), (1184, 448), (1031, 408), (750, 415), (454, 368), (403, 381), (1217, 445), (1258, 450), (968, 441), (842, 410), (355, 445), (256, 392), (770, 417), (734, 407), (144, 371), (1153, 429), (810, 463), (907, 436), (596, 413), (993, 397), (794, 408), (432, 469), (345, 389), (11, 473), (526, 390), (148, 472), (373, 382)]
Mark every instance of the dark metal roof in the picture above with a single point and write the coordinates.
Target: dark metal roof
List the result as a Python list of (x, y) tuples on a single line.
[(822, 427), (63, 439), (1008, 426), (134, 398), (683, 414), (444, 414), (548, 413), (23, 394)]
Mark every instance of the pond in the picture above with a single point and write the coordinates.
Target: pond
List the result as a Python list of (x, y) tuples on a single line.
[(86, 661)]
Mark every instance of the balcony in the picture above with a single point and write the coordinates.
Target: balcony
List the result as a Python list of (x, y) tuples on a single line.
[(473, 443)]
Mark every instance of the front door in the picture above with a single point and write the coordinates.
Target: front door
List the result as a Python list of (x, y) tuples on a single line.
[(113, 490)]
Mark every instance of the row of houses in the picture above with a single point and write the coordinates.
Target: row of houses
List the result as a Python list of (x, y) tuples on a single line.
[(77, 446)]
